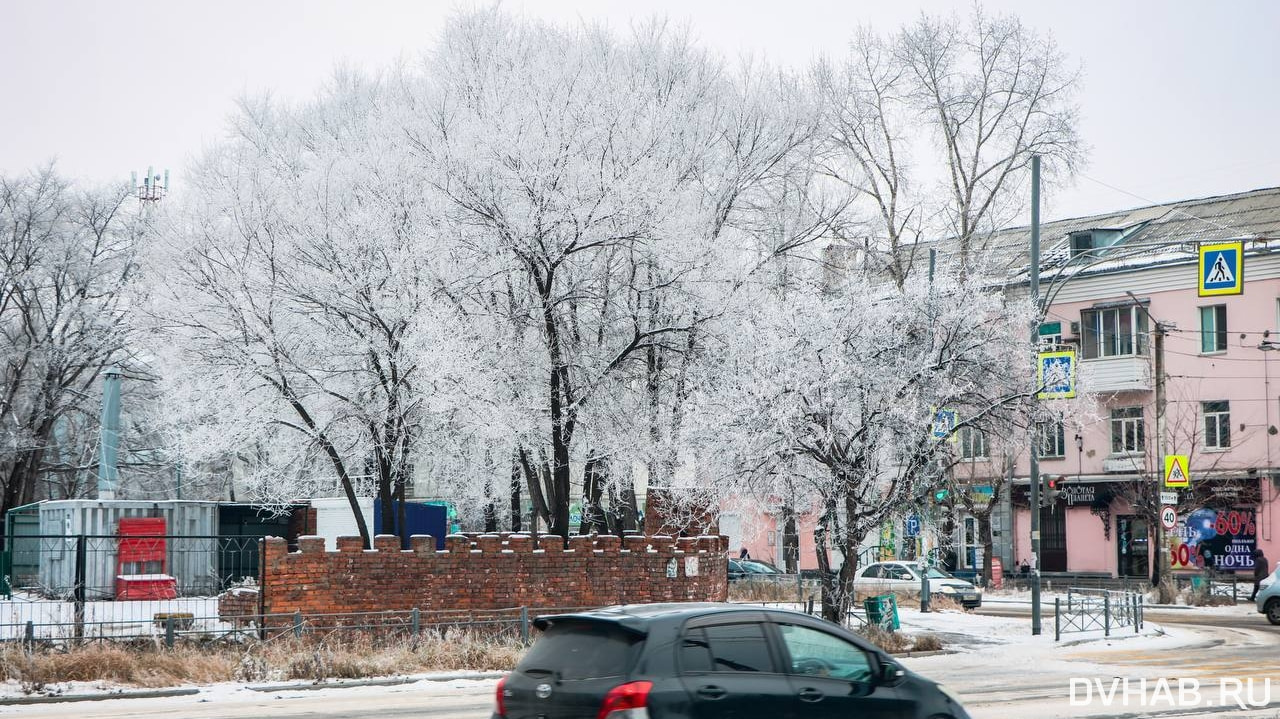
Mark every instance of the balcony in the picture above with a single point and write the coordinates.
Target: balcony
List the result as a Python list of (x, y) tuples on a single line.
[(1116, 374)]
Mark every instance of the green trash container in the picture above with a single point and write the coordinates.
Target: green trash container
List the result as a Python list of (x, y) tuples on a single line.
[(882, 611)]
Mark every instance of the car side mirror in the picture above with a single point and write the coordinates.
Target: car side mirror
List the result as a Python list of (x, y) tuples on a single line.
[(891, 673)]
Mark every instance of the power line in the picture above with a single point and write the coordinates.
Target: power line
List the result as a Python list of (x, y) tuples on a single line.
[(1154, 203)]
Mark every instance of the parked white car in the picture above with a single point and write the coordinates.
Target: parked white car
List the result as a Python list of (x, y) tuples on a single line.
[(903, 578), (1269, 597)]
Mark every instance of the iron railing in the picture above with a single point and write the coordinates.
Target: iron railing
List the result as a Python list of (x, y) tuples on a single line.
[(1087, 609), (514, 623)]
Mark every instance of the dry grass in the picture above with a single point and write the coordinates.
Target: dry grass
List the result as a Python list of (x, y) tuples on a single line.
[(943, 603), (339, 656), (1202, 599), (899, 643), (766, 591), (927, 643)]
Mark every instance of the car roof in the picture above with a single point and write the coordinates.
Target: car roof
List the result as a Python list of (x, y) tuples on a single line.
[(638, 617)]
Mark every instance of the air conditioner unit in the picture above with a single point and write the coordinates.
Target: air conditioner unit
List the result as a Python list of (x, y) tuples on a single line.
[(1075, 329)]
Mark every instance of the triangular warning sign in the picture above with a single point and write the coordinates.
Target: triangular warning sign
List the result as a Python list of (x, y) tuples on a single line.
[(1219, 272), (1175, 471)]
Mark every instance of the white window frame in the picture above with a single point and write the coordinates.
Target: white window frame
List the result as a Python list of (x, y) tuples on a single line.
[(1217, 424), (1218, 315), (1097, 343), (1130, 428), (1045, 428), (973, 444)]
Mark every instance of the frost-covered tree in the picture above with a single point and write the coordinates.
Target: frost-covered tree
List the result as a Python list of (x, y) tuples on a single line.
[(67, 267), (989, 93), (596, 174), (832, 394), (310, 288)]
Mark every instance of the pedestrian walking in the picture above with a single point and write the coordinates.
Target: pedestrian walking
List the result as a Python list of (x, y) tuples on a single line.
[(1261, 570)]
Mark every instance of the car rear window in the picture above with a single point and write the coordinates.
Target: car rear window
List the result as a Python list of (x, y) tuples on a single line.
[(582, 650)]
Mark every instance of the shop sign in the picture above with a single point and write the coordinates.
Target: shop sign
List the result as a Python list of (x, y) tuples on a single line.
[(1223, 540)]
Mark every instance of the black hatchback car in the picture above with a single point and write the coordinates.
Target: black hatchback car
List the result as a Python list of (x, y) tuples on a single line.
[(711, 661)]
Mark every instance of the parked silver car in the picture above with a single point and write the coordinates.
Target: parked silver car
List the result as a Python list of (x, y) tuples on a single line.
[(903, 578)]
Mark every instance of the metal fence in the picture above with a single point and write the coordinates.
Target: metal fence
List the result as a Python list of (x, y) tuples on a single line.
[(1087, 609), (169, 628), (85, 585)]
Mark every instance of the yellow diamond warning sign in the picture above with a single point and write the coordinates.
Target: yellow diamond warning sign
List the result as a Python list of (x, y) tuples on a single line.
[(1175, 471)]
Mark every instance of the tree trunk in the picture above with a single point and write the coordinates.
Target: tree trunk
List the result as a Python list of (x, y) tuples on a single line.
[(517, 505), (790, 540), (988, 544)]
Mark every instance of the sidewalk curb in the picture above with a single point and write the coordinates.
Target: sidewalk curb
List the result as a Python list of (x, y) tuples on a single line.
[(147, 694), (387, 682), (917, 655)]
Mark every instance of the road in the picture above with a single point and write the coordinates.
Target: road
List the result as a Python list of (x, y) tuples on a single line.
[(997, 684)]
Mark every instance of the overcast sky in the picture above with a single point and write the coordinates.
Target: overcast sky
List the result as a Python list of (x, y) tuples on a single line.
[(1179, 98)]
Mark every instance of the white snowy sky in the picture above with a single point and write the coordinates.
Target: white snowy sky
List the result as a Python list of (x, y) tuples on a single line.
[(1179, 99)]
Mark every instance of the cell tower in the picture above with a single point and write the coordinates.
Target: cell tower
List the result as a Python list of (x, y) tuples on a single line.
[(153, 187)]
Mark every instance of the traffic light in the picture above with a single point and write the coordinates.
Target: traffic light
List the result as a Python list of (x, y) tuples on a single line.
[(1050, 489)]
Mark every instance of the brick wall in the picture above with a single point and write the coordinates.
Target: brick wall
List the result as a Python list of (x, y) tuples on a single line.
[(491, 572)]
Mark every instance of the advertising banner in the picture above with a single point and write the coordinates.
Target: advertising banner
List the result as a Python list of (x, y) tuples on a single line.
[(1218, 539)]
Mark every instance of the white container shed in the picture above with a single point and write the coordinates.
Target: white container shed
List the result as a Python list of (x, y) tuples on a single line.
[(334, 518), (191, 546)]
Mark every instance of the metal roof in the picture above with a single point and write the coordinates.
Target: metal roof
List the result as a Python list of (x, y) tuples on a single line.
[(1155, 234)]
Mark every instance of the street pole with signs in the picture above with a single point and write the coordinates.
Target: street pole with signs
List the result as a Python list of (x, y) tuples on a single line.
[(1035, 448)]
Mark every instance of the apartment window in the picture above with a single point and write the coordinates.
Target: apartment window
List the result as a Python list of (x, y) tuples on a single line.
[(1113, 332), (1217, 424), (973, 443), (1126, 430), (1051, 334), (1053, 442), (1213, 328)]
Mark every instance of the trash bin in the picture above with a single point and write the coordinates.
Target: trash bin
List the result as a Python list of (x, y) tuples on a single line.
[(882, 611)]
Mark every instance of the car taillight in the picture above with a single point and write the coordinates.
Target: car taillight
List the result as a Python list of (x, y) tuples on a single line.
[(628, 701), (502, 705)]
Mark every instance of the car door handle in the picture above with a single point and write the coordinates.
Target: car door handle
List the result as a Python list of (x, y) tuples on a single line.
[(809, 694), (711, 692)]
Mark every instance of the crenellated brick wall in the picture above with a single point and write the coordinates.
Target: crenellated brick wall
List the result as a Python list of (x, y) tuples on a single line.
[(490, 572)]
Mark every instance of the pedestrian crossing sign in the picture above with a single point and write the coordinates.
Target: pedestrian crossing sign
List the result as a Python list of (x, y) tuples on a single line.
[(1175, 471), (1222, 269), (1057, 376)]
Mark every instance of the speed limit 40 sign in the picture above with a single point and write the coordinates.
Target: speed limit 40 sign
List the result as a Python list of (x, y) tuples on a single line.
[(1168, 517)]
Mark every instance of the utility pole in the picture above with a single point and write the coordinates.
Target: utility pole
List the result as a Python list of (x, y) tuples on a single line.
[(1035, 445), (1158, 331)]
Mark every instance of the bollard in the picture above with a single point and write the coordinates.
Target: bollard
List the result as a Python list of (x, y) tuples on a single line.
[(168, 632), (31, 634), (809, 609), (924, 591), (524, 625), (1135, 614), (1106, 615), (416, 618), (1057, 619), (297, 624)]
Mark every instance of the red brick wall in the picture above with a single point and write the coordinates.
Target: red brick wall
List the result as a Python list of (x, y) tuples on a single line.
[(490, 572)]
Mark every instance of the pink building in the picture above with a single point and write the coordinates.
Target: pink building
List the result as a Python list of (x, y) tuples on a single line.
[(1123, 292)]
